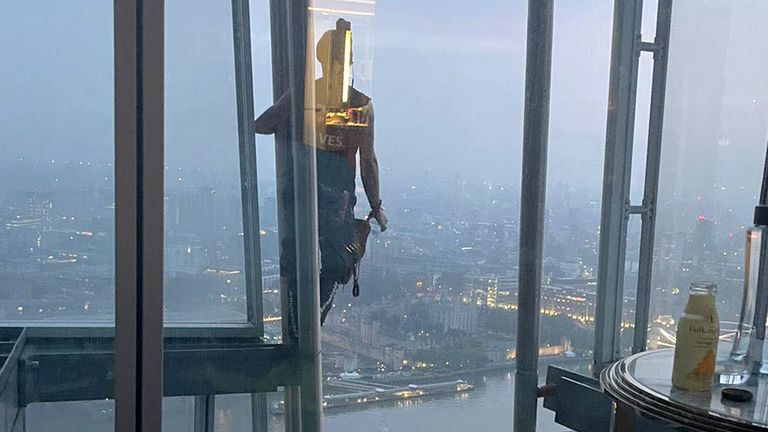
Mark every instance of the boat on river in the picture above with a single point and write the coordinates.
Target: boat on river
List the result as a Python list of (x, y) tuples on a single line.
[(377, 394)]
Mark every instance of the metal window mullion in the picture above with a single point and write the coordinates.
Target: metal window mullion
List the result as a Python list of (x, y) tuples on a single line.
[(139, 175), (241, 27), (278, 15), (305, 198), (283, 154), (653, 163), (259, 412), (249, 186), (205, 410), (296, 164), (533, 193), (625, 56)]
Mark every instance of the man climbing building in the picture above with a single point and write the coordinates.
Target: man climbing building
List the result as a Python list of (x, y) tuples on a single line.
[(343, 126)]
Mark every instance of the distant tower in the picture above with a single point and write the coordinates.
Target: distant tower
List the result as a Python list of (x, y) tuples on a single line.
[(703, 241)]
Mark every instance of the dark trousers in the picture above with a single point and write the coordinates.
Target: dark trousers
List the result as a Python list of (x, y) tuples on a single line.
[(335, 201)]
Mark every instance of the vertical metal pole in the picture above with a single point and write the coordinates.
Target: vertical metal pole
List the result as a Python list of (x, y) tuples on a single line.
[(653, 162), (205, 409), (139, 175), (297, 215), (534, 182), (283, 163), (625, 56), (305, 197), (285, 202), (249, 187), (259, 412)]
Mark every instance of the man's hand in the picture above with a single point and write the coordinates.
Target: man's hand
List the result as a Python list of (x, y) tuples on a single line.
[(380, 217)]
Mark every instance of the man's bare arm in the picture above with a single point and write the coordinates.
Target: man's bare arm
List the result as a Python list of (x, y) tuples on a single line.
[(274, 117), (369, 172)]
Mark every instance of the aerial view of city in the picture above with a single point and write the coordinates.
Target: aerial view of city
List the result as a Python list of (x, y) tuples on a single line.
[(438, 302), (430, 343)]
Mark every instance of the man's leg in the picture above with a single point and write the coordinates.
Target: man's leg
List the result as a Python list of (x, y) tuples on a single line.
[(327, 289), (288, 285)]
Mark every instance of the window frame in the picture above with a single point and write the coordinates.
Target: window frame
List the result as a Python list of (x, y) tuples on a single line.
[(616, 205)]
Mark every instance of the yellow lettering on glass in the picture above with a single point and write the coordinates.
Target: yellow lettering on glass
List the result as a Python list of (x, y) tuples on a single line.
[(347, 66)]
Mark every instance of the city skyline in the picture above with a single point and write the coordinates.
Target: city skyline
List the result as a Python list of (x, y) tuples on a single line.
[(438, 303)]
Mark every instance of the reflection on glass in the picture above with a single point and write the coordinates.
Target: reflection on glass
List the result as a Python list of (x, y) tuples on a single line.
[(204, 260), (56, 173), (715, 129), (438, 288), (99, 416), (339, 124), (57, 211), (344, 126)]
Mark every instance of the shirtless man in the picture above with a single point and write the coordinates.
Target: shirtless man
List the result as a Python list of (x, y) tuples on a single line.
[(339, 135)]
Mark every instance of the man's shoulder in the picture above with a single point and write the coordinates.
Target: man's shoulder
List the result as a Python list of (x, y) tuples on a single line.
[(358, 98)]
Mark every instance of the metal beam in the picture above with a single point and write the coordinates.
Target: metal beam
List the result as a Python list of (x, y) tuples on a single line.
[(11, 384), (650, 46), (243, 331), (279, 36), (205, 409), (625, 56), (578, 401), (284, 169), (139, 179), (259, 412), (534, 183), (249, 185), (652, 167), (305, 197), (53, 370)]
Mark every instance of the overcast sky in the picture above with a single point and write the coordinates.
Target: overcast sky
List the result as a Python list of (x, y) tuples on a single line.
[(447, 83)]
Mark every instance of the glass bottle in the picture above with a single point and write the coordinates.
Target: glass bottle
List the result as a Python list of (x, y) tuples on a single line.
[(745, 331), (698, 331), (748, 347)]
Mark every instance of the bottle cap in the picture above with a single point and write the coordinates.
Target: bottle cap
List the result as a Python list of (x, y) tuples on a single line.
[(736, 394)]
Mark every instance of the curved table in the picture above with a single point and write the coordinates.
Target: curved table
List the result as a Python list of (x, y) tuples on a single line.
[(641, 386)]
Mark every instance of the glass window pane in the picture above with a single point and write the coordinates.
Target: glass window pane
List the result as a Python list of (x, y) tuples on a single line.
[(206, 297), (574, 191), (56, 129), (261, 46), (438, 288), (71, 416), (57, 212), (712, 155), (631, 269), (234, 413), (99, 416), (204, 262)]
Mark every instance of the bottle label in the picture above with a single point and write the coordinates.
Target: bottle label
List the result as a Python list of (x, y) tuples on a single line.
[(696, 346)]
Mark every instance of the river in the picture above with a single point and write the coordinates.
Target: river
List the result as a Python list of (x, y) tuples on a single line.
[(487, 408)]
